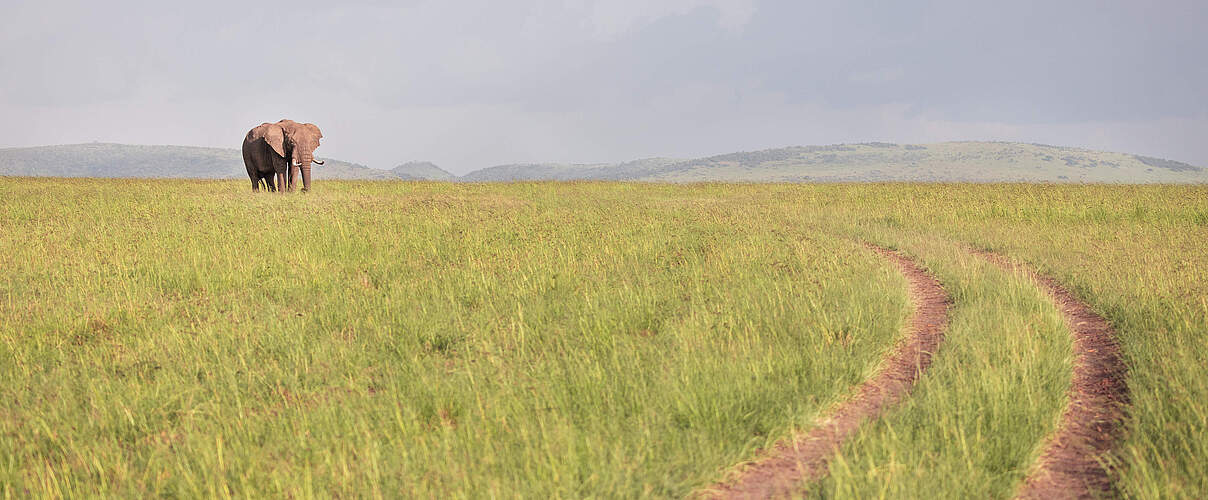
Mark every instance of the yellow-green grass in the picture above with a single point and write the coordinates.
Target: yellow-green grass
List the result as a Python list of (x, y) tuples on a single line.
[(1137, 255), (182, 337), (973, 424), (542, 340)]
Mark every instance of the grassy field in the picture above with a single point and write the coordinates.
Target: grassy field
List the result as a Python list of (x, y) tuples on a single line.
[(569, 339)]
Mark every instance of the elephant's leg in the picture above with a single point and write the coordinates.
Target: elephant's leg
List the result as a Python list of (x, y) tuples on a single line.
[(249, 164), (293, 177), (306, 178), (282, 181)]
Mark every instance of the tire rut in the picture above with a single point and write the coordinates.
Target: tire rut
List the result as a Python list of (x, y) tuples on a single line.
[(1077, 459), (785, 469)]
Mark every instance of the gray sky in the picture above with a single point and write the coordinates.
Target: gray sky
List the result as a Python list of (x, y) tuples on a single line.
[(469, 84)]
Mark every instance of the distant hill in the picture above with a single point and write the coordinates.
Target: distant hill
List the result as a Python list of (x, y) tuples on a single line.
[(869, 162), (422, 171), (123, 160), (567, 171), (878, 162), (942, 162)]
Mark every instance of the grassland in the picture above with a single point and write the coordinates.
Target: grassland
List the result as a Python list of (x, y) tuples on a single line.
[(438, 340), (1138, 256), (565, 340)]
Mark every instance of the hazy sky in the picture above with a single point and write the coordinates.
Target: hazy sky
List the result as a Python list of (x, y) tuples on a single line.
[(469, 84)]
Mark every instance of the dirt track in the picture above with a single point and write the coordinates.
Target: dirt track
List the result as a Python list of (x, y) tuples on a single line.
[(783, 470), (1076, 459)]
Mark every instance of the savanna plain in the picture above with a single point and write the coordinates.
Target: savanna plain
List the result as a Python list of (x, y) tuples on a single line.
[(564, 340)]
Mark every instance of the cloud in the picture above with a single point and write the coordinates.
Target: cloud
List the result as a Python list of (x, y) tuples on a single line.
[(879, 75), (612, 19), (471, 83)]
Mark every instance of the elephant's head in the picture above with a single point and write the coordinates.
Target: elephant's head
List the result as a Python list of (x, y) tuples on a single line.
[(296, 142)]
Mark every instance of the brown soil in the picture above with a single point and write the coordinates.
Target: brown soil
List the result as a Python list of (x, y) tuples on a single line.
[(1077, 459), (784, 470)]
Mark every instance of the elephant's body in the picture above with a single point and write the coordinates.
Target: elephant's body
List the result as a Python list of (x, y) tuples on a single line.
[(276, 153), (263, 164)]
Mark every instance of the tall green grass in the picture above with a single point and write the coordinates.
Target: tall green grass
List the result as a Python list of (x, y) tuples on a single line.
[(537, 340), (974, 423), (1137, 255), (567, 340)]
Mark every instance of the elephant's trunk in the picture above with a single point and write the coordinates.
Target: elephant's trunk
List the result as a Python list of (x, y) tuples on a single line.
[(305, 159)]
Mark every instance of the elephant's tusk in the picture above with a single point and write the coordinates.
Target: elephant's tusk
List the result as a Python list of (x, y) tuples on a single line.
[(297, 164), (318, 162)]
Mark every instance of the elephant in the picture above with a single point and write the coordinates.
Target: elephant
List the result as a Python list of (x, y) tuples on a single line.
[(280, 149)]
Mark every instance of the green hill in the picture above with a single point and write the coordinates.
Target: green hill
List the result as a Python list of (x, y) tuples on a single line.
[(631, 170), (878, 162), (942, 162), (422, 170), (124, 160)]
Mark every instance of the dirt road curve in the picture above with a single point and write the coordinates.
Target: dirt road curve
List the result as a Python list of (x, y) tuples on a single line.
[(1075, 458), (784, 469)]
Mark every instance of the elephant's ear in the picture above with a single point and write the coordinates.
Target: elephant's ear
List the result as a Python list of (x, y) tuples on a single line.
[(275, 137), (314, 129)]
